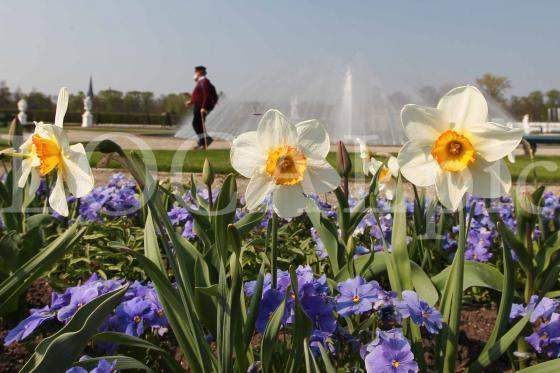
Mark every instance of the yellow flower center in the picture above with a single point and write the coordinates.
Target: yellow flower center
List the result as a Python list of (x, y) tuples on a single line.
[(286, 165), (383, 173), (49, 153), (137, 319), (395, 363), (453, 151), (356, 299)]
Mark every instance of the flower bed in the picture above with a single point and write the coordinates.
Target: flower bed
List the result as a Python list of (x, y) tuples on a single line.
[(171, 277)]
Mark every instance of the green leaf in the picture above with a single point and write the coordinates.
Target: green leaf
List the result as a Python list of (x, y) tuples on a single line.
[(500, 347), (223, 214), (123, 362), (310, 362), (328, 233), (302, 327), (268, 342), (131, 341), (151, 246), (39, 264), (398, 239), (506, 300), (57, 352), (329, 368), (253, 311), (39, 220), (183, 321), (246, 224), (476, 274), (552, 366), (511, 242)]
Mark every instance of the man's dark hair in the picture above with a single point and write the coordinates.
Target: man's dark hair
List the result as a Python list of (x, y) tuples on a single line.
[(200, 68)]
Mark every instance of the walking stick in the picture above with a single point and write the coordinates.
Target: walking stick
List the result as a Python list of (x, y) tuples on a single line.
[(203, 117)]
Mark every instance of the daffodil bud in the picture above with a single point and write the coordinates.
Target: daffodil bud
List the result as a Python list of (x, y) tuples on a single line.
[(343, 163), (207, 173)]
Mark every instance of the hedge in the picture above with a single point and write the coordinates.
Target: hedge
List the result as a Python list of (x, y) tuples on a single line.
[(6, 115)]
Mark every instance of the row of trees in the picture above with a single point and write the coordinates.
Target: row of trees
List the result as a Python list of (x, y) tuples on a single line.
[(536, 103), (107, 100)]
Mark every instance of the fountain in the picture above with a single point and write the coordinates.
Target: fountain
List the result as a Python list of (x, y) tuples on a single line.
[(346, 98)]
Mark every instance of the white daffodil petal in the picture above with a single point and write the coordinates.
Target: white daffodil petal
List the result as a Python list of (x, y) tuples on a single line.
[(275, 130), (76, 171), (452, 186), (313, 139), (258, 188), (57, 199), (393, 165), (61, 107), (374, 165), (25, 171), (35, 181), (417, 164), (494, 141), (246, 155), (390, 188), (464, 106), (423, 124), (288, 201), (490, 179), (319, 177)]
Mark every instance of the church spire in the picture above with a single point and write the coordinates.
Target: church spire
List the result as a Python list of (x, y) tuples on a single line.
[(90, 89)]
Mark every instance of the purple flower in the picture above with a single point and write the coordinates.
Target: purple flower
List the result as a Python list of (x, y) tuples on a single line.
[(478, 253), (356, 296), (133, 314), (390, 353), (544, 309), (546, 337), (79, 296), (188, 231), (420, 312), (28, 326), (102, 367), (178, 215), (270, 302), (320, 310)]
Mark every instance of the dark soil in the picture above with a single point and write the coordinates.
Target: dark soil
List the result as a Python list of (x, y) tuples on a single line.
[(476, 325), (13, 357)]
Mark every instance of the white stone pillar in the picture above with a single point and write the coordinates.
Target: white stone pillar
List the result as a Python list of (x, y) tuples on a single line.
[(22, 107), (87, 116)]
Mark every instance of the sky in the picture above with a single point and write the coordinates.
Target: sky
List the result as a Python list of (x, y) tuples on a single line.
[(153, 45)]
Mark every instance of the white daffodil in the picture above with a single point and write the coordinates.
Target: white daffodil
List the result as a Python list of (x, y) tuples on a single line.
[(286, 160), (454, 148), (48, 150), (365, 155), (387, 176)]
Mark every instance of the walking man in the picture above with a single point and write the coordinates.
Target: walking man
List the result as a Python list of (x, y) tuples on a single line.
[(203, 99)]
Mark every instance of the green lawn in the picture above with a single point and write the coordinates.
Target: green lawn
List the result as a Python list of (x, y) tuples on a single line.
[(193, 161)]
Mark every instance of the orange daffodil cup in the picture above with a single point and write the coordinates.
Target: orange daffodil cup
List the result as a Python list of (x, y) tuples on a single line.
[(48, 152), (286, 160), (455, 148)]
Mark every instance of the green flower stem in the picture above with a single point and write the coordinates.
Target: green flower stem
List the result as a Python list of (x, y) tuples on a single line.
[(457, 297), (210, 197), (274, 249), (530, 284)]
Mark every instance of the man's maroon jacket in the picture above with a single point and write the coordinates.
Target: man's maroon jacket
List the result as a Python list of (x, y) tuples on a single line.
[(201, 93)]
